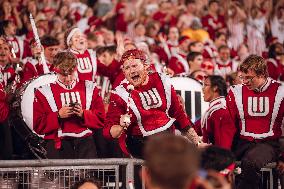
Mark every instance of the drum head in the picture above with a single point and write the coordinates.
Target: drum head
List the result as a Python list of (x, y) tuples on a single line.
[(27, 97), (191, 92)]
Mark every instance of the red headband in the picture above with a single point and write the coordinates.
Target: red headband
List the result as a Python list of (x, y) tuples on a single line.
[(134, 53)]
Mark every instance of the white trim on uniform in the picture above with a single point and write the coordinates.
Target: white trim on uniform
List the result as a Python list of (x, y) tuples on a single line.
[(216, 104), (90, 87), (182, 61), (122, 92), (77, 135), (46, 91), (237, 91), (93, 57)]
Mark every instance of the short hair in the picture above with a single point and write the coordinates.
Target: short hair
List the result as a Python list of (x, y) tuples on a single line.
[(212, 1), (48, 41), (111, 49), (85, 180), (231, 77), (134, 53), (3, 25), (254, 63), (190, 2), (171, 160), (65, 61), (219, 34), (219, 82), (216, 158), (223, 47), (192, 55)]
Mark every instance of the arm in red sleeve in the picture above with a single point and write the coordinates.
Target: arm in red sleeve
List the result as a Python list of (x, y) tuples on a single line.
[(116, 108), (177, 111), (232, 107), (44, 120), (94, 118), (4, 108), (29, 72), (224, 128)]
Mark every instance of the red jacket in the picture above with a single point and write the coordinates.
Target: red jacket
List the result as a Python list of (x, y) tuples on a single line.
[(217, 125), (259, 114), (49, 99)]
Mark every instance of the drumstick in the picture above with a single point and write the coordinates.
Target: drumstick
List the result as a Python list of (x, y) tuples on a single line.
[(129, 88), (37, 40), (127, 118)]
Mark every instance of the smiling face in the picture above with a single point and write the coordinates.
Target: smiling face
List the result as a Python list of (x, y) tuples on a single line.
[(135, 71), (79, 41), (5, 52)]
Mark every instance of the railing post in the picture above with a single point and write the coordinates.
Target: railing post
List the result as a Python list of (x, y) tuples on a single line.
[(129, 173)]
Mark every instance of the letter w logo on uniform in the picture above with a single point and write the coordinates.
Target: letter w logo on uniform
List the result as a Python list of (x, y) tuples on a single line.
[(258, 106), (150, 99)]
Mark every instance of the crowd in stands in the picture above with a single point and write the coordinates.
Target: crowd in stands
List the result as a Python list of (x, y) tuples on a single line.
[(86, 41)]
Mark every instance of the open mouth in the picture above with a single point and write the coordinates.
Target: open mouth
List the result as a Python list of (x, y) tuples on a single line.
[(135, 78)]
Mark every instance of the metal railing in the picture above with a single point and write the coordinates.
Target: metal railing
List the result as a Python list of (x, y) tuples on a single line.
[(62, 174)]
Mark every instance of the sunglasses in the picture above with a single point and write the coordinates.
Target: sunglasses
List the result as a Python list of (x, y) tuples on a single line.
[(207, 66)]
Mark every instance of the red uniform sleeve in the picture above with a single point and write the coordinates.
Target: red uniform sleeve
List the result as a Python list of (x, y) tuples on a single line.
[(175, 65), (94, 118), (4, 108), (177, 111), (224, 129), (28, 72), (44, 120), (273, 71), (116, 108), (232, 107)]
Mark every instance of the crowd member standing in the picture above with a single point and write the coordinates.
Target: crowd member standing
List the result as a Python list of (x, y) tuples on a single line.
[(257, 107), (66, 111), (144, 105)]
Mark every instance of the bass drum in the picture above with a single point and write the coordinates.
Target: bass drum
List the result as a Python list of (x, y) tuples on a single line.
[(191, 92), (26, 96)]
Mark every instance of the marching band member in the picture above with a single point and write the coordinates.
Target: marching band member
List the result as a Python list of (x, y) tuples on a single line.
[(76, 42), (67, 111), (33, 66), (257, 107), (144, 105), (7, 71), (178, 61), (224, 65), (217, 125)]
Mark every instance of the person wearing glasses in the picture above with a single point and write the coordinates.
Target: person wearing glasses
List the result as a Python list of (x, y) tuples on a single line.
[(67, 111), (257, 109), (216, 124)]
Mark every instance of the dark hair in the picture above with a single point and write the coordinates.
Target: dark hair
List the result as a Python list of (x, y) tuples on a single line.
[(3, 25), (49, 41), (219, 82), (192, 55), (254, 63), (212, 1), (223, 47), (190, 2), (272, 50), (216, 158), (219, 34), (85, 180), (111, 49), (171, 160)]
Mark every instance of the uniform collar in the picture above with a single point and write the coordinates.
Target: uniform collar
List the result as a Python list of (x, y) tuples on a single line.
[(264, 86)]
